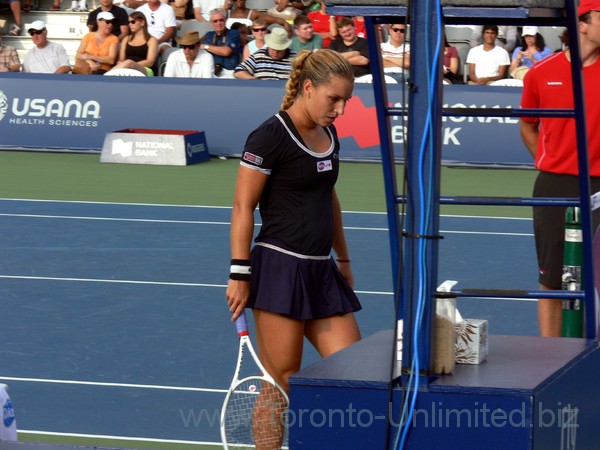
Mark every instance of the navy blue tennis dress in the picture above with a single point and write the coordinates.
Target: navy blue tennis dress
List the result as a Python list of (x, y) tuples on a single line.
[(293, 273)]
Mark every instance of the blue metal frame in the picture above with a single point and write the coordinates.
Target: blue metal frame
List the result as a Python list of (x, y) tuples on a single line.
[(423, 158), (422, 25), (584, 174)]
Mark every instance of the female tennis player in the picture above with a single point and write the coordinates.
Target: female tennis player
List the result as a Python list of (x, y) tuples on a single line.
[(289, 167)]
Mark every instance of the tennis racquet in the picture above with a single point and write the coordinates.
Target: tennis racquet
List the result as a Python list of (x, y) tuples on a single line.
[(255, 408)]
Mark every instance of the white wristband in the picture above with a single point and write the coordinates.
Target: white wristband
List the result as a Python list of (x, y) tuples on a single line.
[(240, 269)]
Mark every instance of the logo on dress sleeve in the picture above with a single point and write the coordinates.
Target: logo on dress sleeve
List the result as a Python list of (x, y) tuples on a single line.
[(252, 158), (324, 166)]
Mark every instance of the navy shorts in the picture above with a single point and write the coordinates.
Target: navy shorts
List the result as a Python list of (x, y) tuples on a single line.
[(298, 288), (549, 223)]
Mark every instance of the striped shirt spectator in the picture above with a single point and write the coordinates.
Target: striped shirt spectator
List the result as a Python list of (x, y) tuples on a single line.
[(264, 67), (272, 63)]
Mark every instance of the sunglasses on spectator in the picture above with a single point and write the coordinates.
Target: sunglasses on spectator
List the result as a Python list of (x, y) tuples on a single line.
[(259, 29), (188, 47), (131, 22), (36, 32), (397, 30), (218, 20), (109, 22)]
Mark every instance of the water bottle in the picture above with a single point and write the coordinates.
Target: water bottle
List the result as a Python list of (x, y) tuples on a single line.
[(8, 429)]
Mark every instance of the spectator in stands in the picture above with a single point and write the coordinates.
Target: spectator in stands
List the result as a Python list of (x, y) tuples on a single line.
[(564, 40), (139, 50), (191, 61), (161, 21), (451, 64), (323, 24), (99, 49), (45, 56), (27, 7), (305, 38), (533, 50), (359, 26), (351, 47), (9, 58), (238, 12), (15, 8), (488, 62), (271, 63), (244, 31), (395, 53), (506, 37), (286, 9), (259, 31), (121, 30), (224, 44), (202, 9), (184, 10), (78, 6)]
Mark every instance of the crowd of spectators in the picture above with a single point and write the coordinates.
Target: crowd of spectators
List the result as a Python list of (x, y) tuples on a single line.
[(141, 36)]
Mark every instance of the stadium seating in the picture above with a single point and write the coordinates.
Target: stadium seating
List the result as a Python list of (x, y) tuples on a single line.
[(64, 27)]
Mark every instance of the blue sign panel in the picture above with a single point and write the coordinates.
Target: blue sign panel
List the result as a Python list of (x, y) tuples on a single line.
[(68, 112)]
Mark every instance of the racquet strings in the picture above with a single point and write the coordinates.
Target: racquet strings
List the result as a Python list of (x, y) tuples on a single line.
[(256, 415)]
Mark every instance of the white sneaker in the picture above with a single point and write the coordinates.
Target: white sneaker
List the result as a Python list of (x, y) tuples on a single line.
[(15, 31), (83, 6), (74, 6)]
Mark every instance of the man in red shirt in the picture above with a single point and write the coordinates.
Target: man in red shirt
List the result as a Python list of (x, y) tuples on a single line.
[(552, 143)]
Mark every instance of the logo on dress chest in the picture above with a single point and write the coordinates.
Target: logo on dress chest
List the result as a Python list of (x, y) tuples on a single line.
[(324, 166)]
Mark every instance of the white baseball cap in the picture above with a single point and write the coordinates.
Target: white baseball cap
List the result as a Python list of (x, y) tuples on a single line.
[(105, 15), (36, 25), (529, 31)]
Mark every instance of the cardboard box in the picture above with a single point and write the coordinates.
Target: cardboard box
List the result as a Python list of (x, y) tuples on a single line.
[(471, 341)]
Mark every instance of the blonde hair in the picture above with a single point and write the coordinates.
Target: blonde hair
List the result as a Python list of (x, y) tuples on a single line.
[(259, 21), (318, 67)]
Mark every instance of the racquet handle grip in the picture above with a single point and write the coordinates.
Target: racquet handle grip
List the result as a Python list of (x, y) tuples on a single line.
[(241, 324)]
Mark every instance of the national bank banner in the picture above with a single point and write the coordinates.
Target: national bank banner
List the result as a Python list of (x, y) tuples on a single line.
[(75, 112)]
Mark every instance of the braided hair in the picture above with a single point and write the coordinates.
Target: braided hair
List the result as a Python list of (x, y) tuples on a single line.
[(318, 67)]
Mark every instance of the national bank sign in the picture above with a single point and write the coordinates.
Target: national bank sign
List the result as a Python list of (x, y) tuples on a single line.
[(49, 111), (163, 147)]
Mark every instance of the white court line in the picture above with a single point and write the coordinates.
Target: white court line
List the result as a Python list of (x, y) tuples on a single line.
[(207, 222), (163, 283), (221, 286), (116, 219), (460, 216), (378, 213), (494, 233), (99, 280), (118, 438), (111, 203), (106, 384)]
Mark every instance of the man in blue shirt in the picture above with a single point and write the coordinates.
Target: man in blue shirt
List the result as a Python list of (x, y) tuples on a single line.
[(224, 44)]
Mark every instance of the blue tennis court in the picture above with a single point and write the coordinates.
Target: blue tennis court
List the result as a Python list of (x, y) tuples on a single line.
[(114, 320)]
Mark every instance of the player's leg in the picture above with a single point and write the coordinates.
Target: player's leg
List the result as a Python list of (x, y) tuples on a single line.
[(332, 334), (280, 341), (549, 230), (549, 315)]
